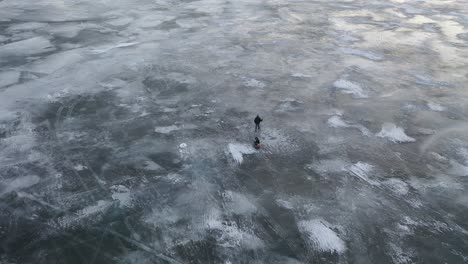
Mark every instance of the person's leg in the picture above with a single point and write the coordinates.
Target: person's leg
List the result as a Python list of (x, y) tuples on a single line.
[(256, 127)]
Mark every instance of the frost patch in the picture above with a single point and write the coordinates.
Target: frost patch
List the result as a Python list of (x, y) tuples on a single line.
[(350, 88), (394, 133), (239, 150), (321, 237)]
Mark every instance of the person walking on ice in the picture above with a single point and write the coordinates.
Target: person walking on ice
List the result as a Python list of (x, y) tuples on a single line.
[(257, 121)]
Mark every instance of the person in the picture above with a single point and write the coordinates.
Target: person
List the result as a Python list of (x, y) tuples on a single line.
[(257, 143), (257, 121)]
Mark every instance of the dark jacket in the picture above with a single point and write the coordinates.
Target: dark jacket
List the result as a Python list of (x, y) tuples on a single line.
[(257, 120)]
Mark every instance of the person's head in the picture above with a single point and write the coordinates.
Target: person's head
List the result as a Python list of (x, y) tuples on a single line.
[(256, 139)]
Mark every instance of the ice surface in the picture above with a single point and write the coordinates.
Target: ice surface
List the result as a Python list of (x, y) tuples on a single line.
[(394, 133), (9, 78), (18, 183), (321, 237), (126, 131), (26, 47), (55, 62), (362, 170)]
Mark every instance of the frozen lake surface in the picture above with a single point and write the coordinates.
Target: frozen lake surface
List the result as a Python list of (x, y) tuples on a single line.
[(126, 131)]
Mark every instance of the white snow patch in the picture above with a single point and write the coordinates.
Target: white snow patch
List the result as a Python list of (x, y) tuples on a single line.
[(284, 204), (18, 184), (9, 78), (79, 167), (350, 88), (122, 194), (26, 47), (321, 237), (362, 171), (184, 151), (336, 122), (254, 83), (397, 186), (166, 129), (394, 133), (435, 107), (231, 235), (301, 75), (238, 150)]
